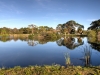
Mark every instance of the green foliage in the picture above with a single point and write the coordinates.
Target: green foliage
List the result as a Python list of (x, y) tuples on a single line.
[(79, 30), (85, 32), (95, 25), (50, 70), (77, 73), (69, 27), (31, 36), (91, 36)]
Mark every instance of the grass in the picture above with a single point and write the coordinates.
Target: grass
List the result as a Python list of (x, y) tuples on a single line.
[(50, 70), (87, 55), (67, 59)]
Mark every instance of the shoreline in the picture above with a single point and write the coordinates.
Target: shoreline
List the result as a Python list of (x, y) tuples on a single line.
[(51, 70)]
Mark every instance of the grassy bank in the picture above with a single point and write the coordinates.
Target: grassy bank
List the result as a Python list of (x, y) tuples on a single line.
[(50, 70)]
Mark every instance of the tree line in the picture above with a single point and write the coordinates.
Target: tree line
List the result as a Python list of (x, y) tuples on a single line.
[(31, 29), (70, 27)]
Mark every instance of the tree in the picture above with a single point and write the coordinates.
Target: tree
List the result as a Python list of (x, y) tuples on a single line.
[(59, 28), (21, 30), (79, 30), (3, 31), (41, 29), (94, 25), (25, 30), (15, 31), (68, 27), (32, 26)]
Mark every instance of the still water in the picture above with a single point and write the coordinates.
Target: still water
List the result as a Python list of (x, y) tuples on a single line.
[(25, 52)]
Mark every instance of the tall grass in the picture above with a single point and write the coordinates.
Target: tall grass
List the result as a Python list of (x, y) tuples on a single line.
[(67, 59), (87, 55)]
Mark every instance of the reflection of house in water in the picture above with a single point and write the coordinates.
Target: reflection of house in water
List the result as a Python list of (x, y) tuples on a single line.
[(32, 42), (70, 42)]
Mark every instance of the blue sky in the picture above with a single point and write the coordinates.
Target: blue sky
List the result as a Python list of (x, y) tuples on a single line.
[(21, 13)]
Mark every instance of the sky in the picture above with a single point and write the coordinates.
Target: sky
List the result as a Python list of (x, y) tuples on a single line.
[(21, 13)]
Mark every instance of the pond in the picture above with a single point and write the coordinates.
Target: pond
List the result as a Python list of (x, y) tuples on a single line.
[(25, 52)]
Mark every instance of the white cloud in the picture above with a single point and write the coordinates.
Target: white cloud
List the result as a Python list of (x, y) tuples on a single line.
[(91, 19)]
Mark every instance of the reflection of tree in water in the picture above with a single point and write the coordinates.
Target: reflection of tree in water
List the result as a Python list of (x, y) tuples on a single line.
[(23, 38), (95, 46), (69, 42), (95, 41), (5, 38), (32, 42), (15, 38), (46, 39), (8, 38), (42, 41), (79, 40), (59, 42)]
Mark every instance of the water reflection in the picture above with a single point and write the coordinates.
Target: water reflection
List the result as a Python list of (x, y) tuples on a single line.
[(95, 42), (95, 46), (32, 42), (70, 42), (5, 39), (52, 51), (87, 55)]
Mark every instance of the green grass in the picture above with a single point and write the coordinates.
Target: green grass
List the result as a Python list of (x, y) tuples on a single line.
[(51, 70)]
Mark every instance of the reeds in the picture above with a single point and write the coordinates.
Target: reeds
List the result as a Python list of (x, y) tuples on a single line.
[(67, 59), (87, 55)]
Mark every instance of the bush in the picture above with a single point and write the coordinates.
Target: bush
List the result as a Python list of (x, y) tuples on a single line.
[(91, 33)]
